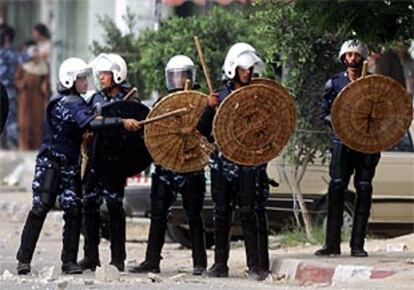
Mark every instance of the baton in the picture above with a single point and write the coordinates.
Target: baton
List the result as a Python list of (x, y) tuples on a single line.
[(130, 94), (203, 64), (178, 112)]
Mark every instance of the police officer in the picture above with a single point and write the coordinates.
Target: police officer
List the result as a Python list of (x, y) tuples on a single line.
[(167, 184), (57, 170), (232, 184), (4, 107), (9, 60), (106, 183), (345, 162)]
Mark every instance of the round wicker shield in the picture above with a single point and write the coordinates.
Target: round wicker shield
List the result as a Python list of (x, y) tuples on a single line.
[(282, 93), (254, 123), (371, 114), (173, 142)]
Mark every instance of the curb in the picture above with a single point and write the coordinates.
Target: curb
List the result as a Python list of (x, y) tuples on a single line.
[(304, 271)]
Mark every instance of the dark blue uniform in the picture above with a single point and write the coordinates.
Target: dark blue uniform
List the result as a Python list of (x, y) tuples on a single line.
[(165, 187), (344, 163), (104, 183), (245, 186), (57, 174), (9, 60), (4, 107)]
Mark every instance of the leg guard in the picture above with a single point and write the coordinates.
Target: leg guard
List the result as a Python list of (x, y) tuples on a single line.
[(91, 224), (117, 225), (161, 200), (263, 238), (335, 213), (222, 216), (365, 171), (361, 215), (71, 234), (193, 198), (248, 216), (31, 232)]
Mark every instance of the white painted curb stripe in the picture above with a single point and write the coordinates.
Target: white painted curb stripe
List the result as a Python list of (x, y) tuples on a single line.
[(286, 267), (347, 272)]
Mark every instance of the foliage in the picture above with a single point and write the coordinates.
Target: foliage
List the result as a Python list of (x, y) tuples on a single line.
[(123, 44), (309, 58), (307, 35), (148, 53), (295, 237), (217, 31), (374, 22)]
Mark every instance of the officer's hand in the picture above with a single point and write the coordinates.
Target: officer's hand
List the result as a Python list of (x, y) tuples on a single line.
[(131, 125), (213, 100), (87, 137)]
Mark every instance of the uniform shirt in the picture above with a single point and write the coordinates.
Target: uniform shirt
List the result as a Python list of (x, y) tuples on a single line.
[(9, 60), (101, 98), (331, 90), (67, 117)]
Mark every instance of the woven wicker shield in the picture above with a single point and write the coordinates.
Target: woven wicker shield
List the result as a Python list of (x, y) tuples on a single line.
[(371, 114), (254, 123), (174, 143)]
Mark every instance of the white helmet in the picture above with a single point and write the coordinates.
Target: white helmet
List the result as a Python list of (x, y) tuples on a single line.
[(72, 68), (353, 46), (178, 69), (241, 55), (113, 63)]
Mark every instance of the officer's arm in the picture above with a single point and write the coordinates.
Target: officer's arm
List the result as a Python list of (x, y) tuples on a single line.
[(102, 123), (86, 117), (205, 124), (326, 103)]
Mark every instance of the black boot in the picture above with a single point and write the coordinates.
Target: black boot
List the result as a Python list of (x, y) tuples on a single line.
[(359, 226), (71, 234), (117, 225), (221, 250), (91, 224), (263, 240), (71, 268), (257, 274), (359, 253), (328, 251), (146, 267), (155, 243), (334, 222), (198, 246), (218, 270), (23, 268), (29, 238)]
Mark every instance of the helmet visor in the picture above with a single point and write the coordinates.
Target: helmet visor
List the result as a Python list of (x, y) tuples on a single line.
[(249, 59), (176, 78), (85, 81), (102, 63)]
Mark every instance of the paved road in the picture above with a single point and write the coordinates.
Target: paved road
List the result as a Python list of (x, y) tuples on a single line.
[(177, 261)]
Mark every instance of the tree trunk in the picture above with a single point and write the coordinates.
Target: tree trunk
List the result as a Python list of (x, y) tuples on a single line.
[(296, 176)]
